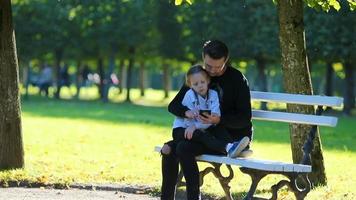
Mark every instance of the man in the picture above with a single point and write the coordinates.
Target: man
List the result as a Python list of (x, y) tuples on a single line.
[(235, 105)]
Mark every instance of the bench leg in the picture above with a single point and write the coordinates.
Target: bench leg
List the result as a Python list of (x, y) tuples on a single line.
[(224, 181), (299, 193), (257, 175)]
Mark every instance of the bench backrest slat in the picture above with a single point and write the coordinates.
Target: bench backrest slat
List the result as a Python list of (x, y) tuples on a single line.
[(294, 118), (296, 98)]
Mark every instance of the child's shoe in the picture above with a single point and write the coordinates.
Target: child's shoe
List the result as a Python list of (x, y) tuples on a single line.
[(238, 147)]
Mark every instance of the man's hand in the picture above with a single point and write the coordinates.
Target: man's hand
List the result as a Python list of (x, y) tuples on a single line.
[(209, 119), (190, 114), (188, 134)]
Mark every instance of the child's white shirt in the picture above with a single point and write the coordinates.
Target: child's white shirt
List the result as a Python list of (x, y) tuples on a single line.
[(190, 100)]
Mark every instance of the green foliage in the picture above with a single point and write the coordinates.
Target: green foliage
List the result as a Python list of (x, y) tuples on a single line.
[(241, 24), (322, 4), (352, 4), (86, 30), (213, 20), (169, 30), (326, 5), (330, 36), (44, 26), (179, 2), (260, 35)]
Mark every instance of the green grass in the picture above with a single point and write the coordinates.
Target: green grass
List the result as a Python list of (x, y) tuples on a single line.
[(91, 142)]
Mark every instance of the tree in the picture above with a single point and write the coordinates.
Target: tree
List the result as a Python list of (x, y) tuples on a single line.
[(170, 43), (27, 38), (330, 38), (11, 145), (322, 41), (295, 68), (261, 42), (295, 64), (347, 42), (136, 39), (32, 19), (56, 13), (96, 25)]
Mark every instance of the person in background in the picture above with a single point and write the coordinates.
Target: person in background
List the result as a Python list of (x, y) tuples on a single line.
[(45, 79)]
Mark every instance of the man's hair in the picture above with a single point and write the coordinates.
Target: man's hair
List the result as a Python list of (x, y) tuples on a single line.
[(196, 69), (215, 49)]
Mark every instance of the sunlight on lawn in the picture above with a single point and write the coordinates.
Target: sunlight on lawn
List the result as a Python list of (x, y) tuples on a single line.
[(92, 142), (90, 151), (87, 151)]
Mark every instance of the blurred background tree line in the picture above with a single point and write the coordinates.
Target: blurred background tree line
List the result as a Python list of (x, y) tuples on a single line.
[(151, 43)]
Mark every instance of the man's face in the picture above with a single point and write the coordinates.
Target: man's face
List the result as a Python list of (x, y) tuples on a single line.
[(215, 67)]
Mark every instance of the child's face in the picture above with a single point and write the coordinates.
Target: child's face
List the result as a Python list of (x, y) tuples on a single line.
[(199, 83)]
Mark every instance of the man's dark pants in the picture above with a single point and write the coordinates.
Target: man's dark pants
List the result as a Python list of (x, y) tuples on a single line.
[(184, 152)]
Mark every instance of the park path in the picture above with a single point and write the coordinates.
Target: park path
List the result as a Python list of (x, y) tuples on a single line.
[(92, 191), (19, 193)]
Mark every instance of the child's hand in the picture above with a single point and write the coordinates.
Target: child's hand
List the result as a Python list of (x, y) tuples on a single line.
[(209, 119), (190, 114), (188, 134)]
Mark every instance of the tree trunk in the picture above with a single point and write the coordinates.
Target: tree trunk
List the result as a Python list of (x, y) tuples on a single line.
[(262, 79), (122, 75), (352, 83), (166, 80), (26, 77), (329, 79), (142, 78), (296, 80), (129, 73), (349, 95), (78, 80), (11, 145), (108, 81), (58, 53), (101, 77)]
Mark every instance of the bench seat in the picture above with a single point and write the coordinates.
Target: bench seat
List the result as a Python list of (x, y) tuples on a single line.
[(265, 165)]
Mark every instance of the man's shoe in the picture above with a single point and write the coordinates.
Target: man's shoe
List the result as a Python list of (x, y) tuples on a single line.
[(238, 147)]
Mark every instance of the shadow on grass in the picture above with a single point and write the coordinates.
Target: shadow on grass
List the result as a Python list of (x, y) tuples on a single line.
[(96, 110), (181, 194), (133, 189), (126, 188)]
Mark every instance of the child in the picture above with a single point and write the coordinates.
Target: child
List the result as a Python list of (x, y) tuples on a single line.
[(201, 101)]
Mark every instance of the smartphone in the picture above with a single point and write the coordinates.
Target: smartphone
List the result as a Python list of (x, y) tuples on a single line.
[(204, 112)]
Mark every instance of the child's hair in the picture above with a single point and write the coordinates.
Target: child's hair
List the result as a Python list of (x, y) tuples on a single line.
[(195, 69)]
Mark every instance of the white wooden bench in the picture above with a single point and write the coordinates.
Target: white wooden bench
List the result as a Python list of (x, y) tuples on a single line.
[(257, 168)]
